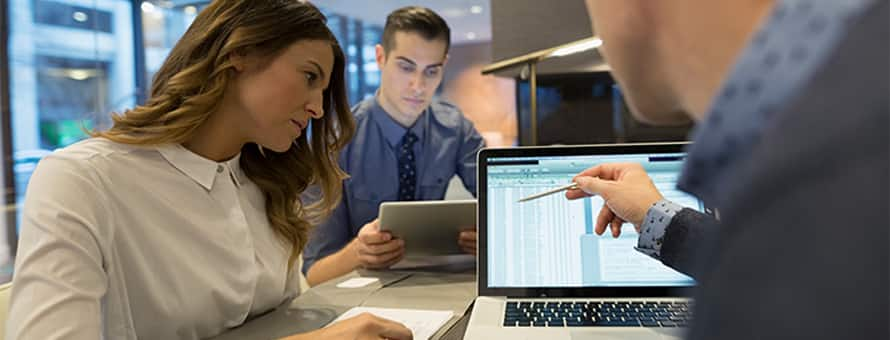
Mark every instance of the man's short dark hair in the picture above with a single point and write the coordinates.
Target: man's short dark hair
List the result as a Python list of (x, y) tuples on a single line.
[(415, 19)]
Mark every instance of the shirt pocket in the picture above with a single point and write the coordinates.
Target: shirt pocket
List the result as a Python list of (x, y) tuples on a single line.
[(367, 194), (434, 182)]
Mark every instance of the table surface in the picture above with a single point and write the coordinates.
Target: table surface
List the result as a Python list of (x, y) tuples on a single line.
[(449, 286)]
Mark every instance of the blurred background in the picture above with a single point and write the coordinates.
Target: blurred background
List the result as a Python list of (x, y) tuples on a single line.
[(67, 65)]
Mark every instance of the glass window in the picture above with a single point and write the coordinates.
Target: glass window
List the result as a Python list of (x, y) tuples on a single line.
[(357, 39), (72, 16), (71, 63), (373, 35), (163, 23)]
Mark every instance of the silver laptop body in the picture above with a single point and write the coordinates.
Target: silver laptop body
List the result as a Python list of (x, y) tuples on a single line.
[(544, 274)]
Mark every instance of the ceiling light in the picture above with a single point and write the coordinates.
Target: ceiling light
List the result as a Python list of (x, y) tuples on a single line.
[(147, 7), (577, 47), (78, 74), (476, 9), (190, 10), (452, 12), (79, 16), (471, 36)]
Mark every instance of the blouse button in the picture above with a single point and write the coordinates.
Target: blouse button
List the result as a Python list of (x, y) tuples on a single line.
[(219, 168)]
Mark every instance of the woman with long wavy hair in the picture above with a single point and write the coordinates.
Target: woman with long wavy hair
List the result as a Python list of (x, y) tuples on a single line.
[(184, 219)]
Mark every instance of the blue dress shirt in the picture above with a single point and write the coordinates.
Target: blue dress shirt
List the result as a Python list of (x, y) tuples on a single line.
[(447, 146)]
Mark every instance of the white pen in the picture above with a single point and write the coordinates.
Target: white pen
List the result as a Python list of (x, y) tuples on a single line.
[(549, 192)]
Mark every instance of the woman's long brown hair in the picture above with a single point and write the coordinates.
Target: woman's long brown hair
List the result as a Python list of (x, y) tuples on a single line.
[(189, 87)]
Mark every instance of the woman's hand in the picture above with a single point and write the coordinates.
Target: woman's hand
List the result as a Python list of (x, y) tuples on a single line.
[(364, 326)]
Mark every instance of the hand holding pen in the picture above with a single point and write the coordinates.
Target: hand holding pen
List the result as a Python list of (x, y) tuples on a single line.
[(626, 188)]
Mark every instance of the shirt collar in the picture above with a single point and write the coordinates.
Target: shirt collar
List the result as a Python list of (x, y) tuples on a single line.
[(788, 49), (391, 129), (200, 169), (234, 166)]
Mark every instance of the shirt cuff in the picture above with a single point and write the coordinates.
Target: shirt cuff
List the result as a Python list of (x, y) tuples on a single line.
[(654, 225)]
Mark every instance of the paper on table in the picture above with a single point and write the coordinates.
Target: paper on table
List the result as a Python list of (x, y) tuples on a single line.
[(357, 282), (423, 323)]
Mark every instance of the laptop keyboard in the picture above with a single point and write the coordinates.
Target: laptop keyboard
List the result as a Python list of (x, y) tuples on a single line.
[(597, 313)]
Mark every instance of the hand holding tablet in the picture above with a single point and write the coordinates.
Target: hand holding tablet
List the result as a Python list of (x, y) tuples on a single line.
[(429, 227)]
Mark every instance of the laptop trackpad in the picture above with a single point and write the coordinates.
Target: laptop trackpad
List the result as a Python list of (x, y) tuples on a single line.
[(628, 334)]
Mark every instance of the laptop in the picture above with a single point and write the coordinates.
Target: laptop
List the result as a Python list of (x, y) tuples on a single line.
[(544, 274)]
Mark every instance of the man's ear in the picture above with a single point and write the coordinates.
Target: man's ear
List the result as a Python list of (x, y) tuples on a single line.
[(380, 55)]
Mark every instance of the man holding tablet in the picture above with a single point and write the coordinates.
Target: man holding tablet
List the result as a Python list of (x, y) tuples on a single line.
[(407, 147)]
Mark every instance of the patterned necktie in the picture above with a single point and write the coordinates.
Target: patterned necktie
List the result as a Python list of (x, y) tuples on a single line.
[(407, 170)]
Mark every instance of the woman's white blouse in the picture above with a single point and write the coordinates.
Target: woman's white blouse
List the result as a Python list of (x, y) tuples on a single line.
[(124, 242)]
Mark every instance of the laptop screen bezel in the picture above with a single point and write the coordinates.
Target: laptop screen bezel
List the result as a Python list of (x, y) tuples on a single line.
[(578, 150)]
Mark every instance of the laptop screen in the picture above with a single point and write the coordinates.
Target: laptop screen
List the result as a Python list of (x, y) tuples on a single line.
[(550, 241)]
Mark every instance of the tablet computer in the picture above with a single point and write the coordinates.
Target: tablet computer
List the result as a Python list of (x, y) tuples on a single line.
[(428, 227)]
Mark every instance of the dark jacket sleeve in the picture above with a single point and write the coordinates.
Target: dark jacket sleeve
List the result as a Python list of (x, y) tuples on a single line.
[(683, 239)]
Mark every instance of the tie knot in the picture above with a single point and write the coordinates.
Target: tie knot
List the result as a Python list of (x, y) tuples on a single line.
[(409, 139)]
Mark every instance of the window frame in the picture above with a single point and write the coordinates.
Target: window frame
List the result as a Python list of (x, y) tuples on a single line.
[(6, 133), (7, 175)]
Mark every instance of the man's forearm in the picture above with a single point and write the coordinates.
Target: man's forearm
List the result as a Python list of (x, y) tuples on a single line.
[(332, 266)]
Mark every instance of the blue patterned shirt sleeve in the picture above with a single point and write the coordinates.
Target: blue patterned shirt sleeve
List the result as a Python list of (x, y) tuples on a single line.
[(654, 225)]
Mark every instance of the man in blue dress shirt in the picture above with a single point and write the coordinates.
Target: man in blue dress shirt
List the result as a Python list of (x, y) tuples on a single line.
[(407, 147)]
